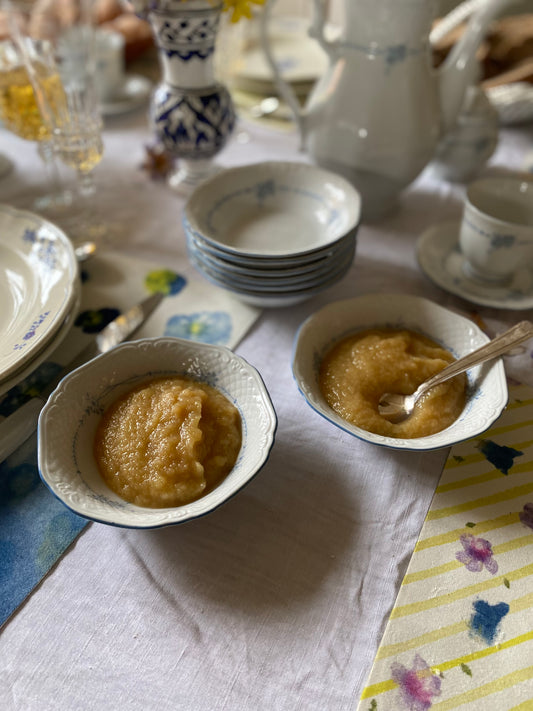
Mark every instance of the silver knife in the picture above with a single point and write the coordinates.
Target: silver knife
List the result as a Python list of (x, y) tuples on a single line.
[(16, 428)]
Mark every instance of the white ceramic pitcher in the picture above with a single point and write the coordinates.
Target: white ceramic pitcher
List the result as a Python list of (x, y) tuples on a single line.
[(379, 111)]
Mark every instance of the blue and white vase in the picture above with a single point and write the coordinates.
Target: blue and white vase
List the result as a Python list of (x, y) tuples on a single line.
[(192, 114)]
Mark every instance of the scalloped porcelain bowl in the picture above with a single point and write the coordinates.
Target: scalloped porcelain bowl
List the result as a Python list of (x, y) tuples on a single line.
[(487, 387), (274, 232), (68, 422)]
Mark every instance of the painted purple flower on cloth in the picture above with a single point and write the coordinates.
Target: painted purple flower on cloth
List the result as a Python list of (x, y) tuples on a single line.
[(476, 554), (526, 516), (418, 685)]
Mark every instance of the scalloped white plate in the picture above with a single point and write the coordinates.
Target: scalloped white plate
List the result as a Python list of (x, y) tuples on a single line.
[(68, 423), (49, 347), (38, 271), (487, 386)]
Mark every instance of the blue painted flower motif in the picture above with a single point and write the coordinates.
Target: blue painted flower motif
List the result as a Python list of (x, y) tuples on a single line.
[(418, 685), (164, 281), (265, 189), (29, 236), (35, 325), (502, 241), (396, 54), (526, 515), (205, 327), (30, 333), (486, 619), (477, 554)]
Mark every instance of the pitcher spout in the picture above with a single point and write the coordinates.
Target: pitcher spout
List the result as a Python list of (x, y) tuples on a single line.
[(461, 69)]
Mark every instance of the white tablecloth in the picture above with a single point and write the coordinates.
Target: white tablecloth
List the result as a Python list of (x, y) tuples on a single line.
[(277, 600)]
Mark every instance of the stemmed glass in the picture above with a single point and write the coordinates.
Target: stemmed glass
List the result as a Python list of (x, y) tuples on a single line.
[(20, 113), (77, 130), (63, 44)]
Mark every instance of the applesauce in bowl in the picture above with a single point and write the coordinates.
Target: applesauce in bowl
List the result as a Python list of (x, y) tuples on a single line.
[(485, 394), (167, 442), (69, 422), (359, 369)]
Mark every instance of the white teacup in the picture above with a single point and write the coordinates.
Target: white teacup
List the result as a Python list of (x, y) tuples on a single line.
[(496, 234), (110, 63)]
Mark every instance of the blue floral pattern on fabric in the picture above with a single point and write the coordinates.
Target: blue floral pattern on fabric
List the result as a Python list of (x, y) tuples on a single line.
[(205, 327), (486, 619), (35, 528), (164, 281)]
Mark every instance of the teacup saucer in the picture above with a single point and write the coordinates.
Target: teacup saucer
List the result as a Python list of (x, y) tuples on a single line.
[(441, 260), (134, 93)]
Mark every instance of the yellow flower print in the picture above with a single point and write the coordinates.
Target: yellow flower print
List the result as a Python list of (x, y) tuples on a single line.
[(239, 8)]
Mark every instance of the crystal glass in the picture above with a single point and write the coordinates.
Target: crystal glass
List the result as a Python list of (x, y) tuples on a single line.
[(63, 42), (20, 114)]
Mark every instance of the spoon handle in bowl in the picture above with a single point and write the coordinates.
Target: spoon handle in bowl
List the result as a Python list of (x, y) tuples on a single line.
[(499, 345)]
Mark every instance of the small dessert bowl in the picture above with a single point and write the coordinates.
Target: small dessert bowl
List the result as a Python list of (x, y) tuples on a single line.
[(272, 210), (486, 390), (68, 423), (247, 223)]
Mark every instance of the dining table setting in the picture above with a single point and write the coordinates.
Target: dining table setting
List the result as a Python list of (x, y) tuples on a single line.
[(170, 225)]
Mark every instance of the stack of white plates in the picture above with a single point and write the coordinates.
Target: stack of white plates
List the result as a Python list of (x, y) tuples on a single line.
[(39, 292), (273, 233)]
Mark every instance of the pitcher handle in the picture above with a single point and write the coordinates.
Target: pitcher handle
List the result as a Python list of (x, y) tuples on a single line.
[(285, 90), (317, 31)]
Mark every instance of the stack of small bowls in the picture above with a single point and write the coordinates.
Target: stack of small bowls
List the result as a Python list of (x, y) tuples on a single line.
[(273, 233)]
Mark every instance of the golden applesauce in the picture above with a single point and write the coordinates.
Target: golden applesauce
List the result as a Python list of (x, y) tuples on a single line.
[(167, 442), (358, 370)]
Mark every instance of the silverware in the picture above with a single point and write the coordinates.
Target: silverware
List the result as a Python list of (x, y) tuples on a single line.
[(396, 408), (84, 251), (16, 428)]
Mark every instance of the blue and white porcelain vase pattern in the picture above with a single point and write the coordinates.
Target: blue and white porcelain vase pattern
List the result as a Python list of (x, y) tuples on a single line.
[(192, 114)]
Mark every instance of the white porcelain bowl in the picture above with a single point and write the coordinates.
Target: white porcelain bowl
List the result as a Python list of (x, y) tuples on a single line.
[(487, 387), (273, 233), (68, 422), (272, 209)]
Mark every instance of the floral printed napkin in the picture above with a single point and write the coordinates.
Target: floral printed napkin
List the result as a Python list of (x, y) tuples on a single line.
[(460, 634), (36, 528)]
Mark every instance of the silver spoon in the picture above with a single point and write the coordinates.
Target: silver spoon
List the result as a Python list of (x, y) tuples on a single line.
[(397, 408)]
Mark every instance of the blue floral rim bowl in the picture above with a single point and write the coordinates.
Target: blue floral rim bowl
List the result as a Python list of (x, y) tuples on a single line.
[(487, 393), (272, 211), (68, 423)]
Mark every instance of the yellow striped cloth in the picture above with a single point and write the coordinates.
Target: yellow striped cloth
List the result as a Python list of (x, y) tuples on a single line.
[(460, 635)]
